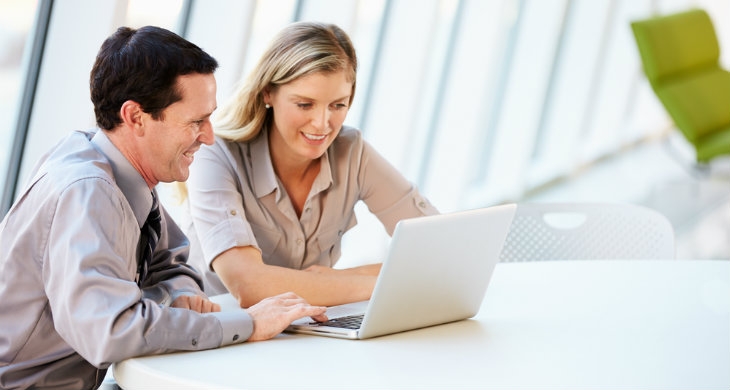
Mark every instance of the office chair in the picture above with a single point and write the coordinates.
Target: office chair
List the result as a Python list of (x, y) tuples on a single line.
[(585, 231), (680, 56)]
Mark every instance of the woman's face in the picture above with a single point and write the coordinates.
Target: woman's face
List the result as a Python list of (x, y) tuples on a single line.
[(308, 115)]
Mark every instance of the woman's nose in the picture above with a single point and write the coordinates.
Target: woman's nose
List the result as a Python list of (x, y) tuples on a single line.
[(320, 119)]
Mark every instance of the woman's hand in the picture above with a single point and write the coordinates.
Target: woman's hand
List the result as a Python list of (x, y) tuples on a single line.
[(195, 303)]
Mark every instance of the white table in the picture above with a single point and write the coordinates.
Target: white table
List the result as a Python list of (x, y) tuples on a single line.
[(548, 325)]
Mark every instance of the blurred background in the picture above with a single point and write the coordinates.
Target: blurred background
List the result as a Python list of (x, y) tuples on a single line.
[(477, 102)]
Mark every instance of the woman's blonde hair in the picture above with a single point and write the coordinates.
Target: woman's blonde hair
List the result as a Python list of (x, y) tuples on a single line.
[(300, 49)]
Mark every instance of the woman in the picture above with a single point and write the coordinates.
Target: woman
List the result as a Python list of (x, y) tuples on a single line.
[(271, 199)]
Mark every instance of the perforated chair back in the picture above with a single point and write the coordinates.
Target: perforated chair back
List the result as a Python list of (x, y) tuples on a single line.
[(584, 231)]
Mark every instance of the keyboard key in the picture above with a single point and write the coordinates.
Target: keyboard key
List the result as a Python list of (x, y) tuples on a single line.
[(349, 322)]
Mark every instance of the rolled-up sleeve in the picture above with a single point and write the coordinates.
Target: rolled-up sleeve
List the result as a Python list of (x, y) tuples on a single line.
[(216, 204)]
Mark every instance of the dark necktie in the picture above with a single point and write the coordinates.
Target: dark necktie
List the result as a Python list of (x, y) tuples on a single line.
[(148, 240)]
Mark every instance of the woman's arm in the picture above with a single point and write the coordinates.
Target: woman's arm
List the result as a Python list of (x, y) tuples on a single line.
[(368, 269), (250, 280)]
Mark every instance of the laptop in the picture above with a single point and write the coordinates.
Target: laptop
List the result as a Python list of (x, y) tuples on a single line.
[(437, 271)]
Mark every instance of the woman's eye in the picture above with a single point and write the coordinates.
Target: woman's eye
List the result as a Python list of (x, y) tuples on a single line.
[(304, 105)]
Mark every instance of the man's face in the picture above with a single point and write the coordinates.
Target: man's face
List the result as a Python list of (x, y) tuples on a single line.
[(169, 143)]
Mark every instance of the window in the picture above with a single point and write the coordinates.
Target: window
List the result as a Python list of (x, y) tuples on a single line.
[(16, 25), (476, 102)]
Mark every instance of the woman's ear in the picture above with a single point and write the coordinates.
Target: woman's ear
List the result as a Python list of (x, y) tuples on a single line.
[(266, 95)]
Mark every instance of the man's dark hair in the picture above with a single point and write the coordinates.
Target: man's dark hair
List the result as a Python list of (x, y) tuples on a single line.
[(142, 65)]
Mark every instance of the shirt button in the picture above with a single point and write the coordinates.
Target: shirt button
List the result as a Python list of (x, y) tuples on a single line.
[(307, 210), (233, 212), (195, 342), (422, 204), (235, 337)]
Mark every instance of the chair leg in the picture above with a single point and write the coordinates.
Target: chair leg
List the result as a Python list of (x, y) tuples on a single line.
[(698, 170)]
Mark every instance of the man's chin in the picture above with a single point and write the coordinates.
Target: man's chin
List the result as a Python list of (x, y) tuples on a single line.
[(179, 177)]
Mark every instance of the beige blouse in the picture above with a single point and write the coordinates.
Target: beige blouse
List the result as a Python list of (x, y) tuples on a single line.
[(237, 200)]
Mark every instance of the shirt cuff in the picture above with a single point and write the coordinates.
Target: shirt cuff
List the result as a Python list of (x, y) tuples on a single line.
[(236, 326)]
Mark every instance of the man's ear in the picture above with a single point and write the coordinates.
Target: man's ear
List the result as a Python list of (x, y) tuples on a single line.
[(132, 115)]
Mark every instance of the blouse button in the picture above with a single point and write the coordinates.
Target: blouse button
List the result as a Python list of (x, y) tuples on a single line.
[(422, 204), (299, 241), (233, 212), (195, 342), (235, 337)]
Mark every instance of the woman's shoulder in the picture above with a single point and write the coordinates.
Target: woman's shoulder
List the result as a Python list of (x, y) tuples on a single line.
[(349, 137), (223, 147)]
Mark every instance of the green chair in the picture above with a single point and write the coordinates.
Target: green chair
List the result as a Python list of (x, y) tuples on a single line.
[(680, 56)]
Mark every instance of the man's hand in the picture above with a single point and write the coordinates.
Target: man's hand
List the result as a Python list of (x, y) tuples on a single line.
[(272, 315), (195, 303)]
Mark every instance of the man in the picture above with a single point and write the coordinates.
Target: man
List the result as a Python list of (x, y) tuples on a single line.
[(85, 279)]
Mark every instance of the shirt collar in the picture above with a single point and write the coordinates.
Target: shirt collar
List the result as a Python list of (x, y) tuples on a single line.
[(324, 177), (264, 177), (128, 179)]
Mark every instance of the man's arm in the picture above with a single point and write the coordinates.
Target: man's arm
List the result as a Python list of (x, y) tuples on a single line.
[(88, 277), (244, 273)]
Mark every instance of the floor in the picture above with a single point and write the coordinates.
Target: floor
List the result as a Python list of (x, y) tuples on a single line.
[(660, 174)]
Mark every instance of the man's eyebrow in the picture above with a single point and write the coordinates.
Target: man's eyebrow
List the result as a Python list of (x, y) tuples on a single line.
[(203, 116)]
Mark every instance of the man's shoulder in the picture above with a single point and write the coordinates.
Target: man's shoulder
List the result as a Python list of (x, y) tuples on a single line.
[(72, 178), (73, 160)]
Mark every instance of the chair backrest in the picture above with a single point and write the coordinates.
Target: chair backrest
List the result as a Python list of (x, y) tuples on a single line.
[(673, 45), (585, 231), (680, 55)]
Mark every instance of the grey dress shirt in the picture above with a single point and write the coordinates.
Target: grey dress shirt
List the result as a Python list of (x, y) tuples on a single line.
[(236, 199), (69, 304)]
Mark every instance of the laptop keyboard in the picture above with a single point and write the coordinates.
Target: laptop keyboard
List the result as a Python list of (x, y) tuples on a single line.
[(347, 322)]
